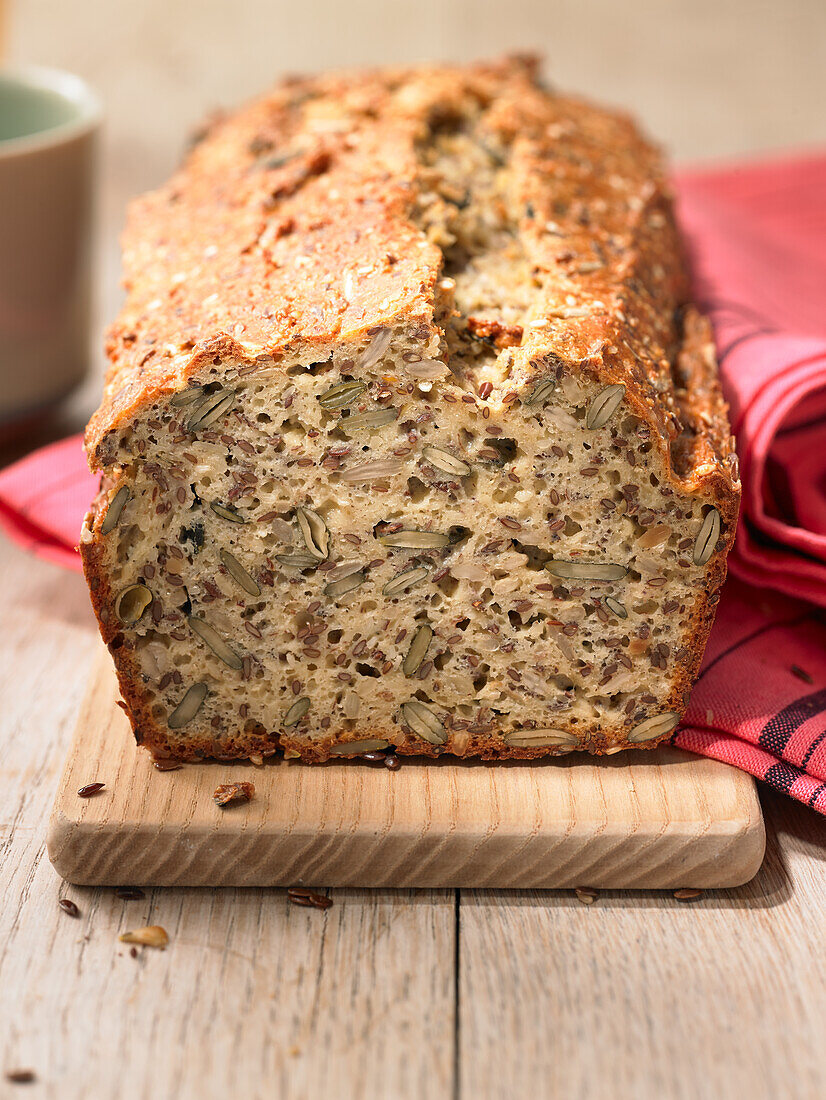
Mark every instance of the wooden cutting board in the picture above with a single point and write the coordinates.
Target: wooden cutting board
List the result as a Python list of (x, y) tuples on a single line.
[(659, 819)]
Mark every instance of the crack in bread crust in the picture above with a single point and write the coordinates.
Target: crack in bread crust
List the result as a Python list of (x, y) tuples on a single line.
[(401, 350)]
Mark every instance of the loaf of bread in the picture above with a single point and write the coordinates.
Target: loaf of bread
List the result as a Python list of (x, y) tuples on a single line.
[(411, 436)]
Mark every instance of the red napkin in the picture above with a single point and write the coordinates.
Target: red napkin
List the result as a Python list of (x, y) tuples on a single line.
[(758, 239)]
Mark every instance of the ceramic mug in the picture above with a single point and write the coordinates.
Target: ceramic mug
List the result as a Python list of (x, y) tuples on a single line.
[(49, 122)]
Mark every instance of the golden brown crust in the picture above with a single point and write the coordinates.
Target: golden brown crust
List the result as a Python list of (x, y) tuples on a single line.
[(247, 250)]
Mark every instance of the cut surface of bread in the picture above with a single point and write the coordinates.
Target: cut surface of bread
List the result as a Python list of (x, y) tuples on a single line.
[(412, 437)]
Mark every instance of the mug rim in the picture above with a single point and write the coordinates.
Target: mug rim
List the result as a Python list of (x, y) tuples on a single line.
[(69, 87)]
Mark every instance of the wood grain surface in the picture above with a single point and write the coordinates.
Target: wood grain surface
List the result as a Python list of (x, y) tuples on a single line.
[(664, 819)]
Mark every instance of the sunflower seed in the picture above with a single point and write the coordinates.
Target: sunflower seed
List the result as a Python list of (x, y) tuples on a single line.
[(368, 420), (411, 578), (351, 748), (444, 460), (527, 739), (586, 570), (372, 471), (707, 537), (654, 727), (186, 397), (375, 349), (415, 540), (603, 406), (344, 585), (296, 712), (116, 506), (424, 722), (188, 707), (132, 602), (338, 397), (239, 573), (211, 409), (314, 532), (615, 606), (151, 936), (427, 369), (226, 512), (540, 392), (210, 637), (418, 648), (298, 561)]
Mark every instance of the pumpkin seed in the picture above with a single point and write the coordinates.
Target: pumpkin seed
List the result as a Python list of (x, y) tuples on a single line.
[(541, 738), (615, 606), (211, 410), (418, 648), (186, 397), (344, 584), (132, 602), (226, 512), (411, 578), (296, 712), (415, 540), (445, 461), (314, 532), (586, 570), (654, 727), (338, 397), (424, 722), (706, 541), (188, 707), (352, 748), (298, 561), (540, 392), (239, 573), (211, 638), (603, 406), (116, 506)]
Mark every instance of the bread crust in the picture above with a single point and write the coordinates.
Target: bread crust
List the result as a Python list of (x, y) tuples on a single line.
[(244, 254)]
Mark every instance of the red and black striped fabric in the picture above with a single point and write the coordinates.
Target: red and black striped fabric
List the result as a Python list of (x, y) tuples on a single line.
[(758, 241)]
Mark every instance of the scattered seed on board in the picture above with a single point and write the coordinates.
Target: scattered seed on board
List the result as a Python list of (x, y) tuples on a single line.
[(89, 789), (150, 936), (167, 765), (233, 792), (687, 894), (21, 1076), (69, 907), (586, 894), (129, 893), (392, 762), (301, 895)]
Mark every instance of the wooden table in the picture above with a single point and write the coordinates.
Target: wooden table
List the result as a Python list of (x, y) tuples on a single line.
[(433, 994)]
